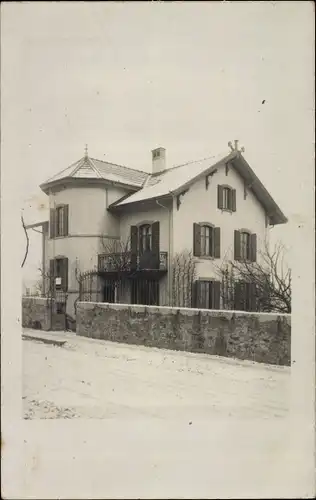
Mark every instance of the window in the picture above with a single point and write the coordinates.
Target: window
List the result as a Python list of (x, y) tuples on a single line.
[(206, 240), (245, 245), (206, 294), (245, 296), (226, 198), (59, 221), (145, 239)]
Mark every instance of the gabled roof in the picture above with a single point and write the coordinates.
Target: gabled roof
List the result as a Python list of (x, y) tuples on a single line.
[(171, 180), (174, 180), (90, 168)]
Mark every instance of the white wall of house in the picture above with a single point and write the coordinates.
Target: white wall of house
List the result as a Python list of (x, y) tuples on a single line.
[(142, 216), (200, 205), (88, 220)]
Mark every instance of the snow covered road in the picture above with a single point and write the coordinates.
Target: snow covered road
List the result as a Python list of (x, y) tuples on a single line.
[(97, 379), (170, 424)]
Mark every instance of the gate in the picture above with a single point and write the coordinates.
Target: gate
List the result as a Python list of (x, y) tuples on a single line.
[(57, 300)]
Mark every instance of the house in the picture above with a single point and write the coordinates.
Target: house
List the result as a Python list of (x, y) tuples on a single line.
[(124, 230)]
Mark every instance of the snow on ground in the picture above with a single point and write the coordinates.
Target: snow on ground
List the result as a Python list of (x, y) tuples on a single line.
[(169, 424), (98, 379)]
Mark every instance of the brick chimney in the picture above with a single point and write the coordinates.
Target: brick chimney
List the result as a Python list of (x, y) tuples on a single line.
[(158, 160)]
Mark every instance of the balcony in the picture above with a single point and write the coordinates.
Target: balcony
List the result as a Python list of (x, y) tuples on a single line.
[(127, 262)]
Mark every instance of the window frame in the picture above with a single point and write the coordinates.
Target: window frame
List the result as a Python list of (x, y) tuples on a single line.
[(245, 246), (210, 229), (60, 221), (145, 237), (226, 201), (206, 299)]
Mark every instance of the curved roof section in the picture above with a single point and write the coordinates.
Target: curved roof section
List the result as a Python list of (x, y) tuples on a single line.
[(90, 168)]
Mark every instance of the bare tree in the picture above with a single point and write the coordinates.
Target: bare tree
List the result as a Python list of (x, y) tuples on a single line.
[(269, 279), (183, 276), (27, 241), (118, 253)]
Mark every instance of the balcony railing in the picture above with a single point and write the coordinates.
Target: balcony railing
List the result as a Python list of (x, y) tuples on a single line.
[(128, 262)]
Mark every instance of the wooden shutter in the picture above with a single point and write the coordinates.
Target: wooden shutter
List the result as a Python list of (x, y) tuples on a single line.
[(252, 297), (220, 197), (233, 195), (155, 239), (237, 255), (216, 294), (196, 240), (134, 247), (194, 294), (238, 296), (51, 267), (253, 247), (217, 242), (64, 277), (52, 223), (66, 220), (51, 280)]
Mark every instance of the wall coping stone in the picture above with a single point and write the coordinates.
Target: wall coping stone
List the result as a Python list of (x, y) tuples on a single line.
[(188, 311)]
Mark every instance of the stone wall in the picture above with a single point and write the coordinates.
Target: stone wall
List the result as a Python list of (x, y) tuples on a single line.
[(261, 337), (36, 313)]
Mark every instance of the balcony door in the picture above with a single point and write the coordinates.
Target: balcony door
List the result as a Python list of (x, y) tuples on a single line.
[(145, 246)]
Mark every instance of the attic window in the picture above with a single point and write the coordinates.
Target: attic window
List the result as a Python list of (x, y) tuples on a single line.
[(156, 154)]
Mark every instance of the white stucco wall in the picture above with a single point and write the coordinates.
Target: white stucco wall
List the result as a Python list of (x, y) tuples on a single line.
[(87, 209), (134, 217), (88, 220), (200, 205)]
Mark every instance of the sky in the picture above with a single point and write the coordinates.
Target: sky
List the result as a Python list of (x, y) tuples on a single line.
[(125, 78)]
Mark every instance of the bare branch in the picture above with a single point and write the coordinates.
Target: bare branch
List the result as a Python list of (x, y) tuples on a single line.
[(27, 241)]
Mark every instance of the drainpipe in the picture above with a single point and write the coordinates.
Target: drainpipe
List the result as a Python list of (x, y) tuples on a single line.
[(170, 249)]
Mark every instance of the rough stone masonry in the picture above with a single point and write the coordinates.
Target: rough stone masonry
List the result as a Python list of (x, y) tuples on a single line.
[(260, 337)]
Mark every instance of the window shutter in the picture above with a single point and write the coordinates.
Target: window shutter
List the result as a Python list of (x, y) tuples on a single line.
[(238, 298), (52, 223), (65, 274), (51, 274), (134, 247), (66, 220), (237, 255), (216, 294), (196, 240), (217, 242), (233, 195), (253, 248), (155, 235), (252, 297), (220, 197), (194, 294), (51, 268)]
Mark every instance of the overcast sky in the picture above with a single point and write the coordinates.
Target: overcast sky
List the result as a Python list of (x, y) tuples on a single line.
[(128, 77)]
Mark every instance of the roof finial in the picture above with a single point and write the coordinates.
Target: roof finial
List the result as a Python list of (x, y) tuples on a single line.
[(86, 151), (235, 147)]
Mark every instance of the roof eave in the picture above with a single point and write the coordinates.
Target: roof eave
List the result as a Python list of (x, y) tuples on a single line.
[(115, 206), (47, 186), (274, 212)]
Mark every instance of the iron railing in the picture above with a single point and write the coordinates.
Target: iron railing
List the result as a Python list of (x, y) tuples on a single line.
[(127, 261)]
